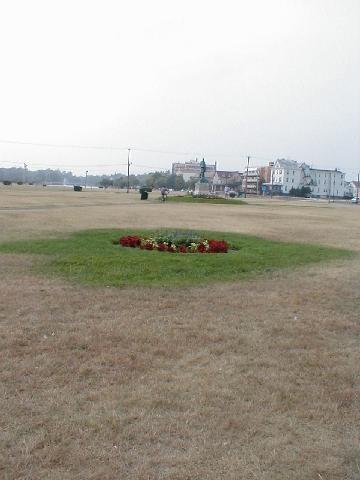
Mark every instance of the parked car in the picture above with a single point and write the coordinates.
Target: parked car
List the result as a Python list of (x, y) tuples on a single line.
[(355, 200)]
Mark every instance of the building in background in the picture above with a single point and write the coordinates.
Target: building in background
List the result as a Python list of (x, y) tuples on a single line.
[(251, 183), (191, 169), (325, 183), (265, 173), (223, 179), (286, 175), (354, 190)]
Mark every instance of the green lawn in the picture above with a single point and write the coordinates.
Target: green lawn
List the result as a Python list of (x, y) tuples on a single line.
[(216, 201), (89, 257)]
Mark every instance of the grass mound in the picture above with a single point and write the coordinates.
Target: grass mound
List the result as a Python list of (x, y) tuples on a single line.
[(217, 201), (89, 257)]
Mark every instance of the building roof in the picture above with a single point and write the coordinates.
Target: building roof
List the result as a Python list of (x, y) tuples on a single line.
[(325, 170), (224, 173), (283, 163)]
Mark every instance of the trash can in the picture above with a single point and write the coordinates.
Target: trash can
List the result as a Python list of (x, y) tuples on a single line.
[(144, 192), (77, 188)]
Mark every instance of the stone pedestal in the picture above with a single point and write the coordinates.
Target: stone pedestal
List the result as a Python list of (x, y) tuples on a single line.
[(201, 188)]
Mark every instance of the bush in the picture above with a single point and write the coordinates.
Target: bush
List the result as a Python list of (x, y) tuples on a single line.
[(20, 183), (7, 182), (300, 192)]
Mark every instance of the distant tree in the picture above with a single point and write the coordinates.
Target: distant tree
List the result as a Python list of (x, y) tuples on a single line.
[(190, 184), (106, 182), (180, 183), (300, 192)]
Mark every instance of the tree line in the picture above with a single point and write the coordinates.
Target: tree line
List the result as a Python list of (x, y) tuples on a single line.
[(58, 177)]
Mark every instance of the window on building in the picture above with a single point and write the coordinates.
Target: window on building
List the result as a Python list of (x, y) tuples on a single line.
[(285, 189), (287, 180), (292, 181)]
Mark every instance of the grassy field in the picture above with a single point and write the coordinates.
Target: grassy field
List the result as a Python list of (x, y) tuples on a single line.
[(89, 257), (214, 201), (251, 379)]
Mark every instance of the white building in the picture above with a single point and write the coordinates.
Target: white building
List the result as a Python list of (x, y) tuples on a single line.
[(354, 189), (288, 174), (285, 175), (326, 183)]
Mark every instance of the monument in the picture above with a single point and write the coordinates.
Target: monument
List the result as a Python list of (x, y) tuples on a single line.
[(202, 185)]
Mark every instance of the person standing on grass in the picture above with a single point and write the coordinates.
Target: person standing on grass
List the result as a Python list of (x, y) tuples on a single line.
[(164, 193)]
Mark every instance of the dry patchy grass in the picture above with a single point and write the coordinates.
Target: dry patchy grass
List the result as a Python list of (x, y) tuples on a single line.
[(252, 380), (38, 212)]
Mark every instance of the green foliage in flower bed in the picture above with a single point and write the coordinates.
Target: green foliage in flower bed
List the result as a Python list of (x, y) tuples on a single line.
[(204, 199), (90, 257), (178, 237)]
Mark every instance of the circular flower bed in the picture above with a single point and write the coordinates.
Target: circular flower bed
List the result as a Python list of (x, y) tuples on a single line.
[(175, 244)]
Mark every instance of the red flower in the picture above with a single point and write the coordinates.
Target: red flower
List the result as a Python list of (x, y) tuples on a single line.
[(182, 249), (162, 247), (218, 246), (201, 248), (148, 246), (132, 241)]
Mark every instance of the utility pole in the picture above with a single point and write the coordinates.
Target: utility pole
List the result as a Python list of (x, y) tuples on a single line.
[(86, 174), (25, 172), (329, 187), (128, 171), (246, 178), (357, 188)]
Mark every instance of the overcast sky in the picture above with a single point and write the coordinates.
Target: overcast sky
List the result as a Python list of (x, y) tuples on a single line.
[(225, 79)]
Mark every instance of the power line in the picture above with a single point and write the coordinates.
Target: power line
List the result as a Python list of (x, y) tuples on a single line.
[(117, 148), (236, 156), (55, 145), (92, 147)]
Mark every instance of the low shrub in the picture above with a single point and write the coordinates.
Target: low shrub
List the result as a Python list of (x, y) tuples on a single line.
[(7, 182)]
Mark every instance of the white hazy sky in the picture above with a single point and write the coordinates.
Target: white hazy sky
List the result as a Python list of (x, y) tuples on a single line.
[(220, 79)]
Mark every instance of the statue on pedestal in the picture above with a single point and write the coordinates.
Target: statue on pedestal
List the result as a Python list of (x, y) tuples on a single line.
[(202, 178)]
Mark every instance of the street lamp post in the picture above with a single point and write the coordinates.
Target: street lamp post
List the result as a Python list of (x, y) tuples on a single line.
[(128, 172), (247, 173), (86, 174)]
